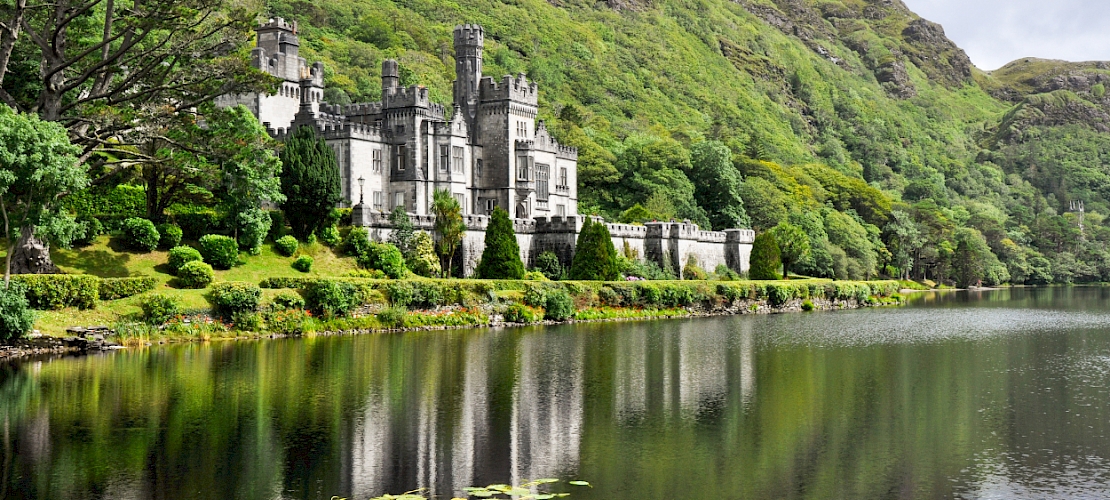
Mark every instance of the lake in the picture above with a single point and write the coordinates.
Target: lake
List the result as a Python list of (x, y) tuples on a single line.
[(994, 394)]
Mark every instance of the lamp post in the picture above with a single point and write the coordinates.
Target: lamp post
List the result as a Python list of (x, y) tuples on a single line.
[(361, 183)]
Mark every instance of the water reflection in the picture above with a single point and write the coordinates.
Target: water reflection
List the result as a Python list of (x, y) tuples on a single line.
[(996, 395)]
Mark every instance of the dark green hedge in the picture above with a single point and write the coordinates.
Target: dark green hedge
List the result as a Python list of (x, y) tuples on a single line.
[(121, 288), (59, 291)]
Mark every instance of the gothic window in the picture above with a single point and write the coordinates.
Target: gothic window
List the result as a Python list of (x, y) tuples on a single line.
[(542, 172), (399, 200), (443, 159), (378, 201), (377, 154), (401, 158), (457, 157), (522, 168), (563, 186), (478, 170), (461, 198)]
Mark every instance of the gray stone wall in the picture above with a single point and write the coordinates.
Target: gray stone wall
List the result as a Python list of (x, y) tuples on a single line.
[(665, 243)]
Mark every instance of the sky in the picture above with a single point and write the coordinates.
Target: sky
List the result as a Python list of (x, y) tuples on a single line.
[(995, 32)]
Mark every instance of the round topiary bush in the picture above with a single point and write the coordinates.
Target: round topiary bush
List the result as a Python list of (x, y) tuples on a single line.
[(159, 309), (170, 236), (286, 245), (231, 298), (140, 234), (303, 264), (220, 251), (16, 317), (179, 256), (195, 274)]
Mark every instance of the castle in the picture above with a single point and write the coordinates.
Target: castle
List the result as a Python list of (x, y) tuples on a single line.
[(488, 150)]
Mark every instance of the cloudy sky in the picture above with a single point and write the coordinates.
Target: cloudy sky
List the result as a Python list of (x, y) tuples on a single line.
[(995, 32)]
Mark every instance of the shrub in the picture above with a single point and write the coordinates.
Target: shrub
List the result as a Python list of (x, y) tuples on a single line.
[(303, 263), (88, 228), (373, 274), (330, 236), (535, 296), (807, 305), (159, 309), (535, 276), (220, 251), (286, 245), (423, 259), (520, 313), (357, 242), (16, 316), (645, 270), (235, 297), (393, 317), (693, 271), (169, 236), (386, 258), (595, 258), (59, 291), (195, 274), (121, 288), (195, 220), (765, 261), (609, 297), (140, 234), (246, 321), (181, 255), (287, 300), (723, 273), (254, 225), (288, 322), (548, 263), (277, 225), (501, 258), (330, 299), (559, 307)]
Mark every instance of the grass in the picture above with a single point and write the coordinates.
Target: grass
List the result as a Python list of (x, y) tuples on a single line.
[(107, 259)]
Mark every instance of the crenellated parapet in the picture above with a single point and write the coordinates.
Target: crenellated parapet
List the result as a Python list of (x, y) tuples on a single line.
[(518, 89), (566, 152), (415, 96)]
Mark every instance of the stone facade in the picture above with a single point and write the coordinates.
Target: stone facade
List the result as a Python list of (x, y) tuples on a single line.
[(488, 149)]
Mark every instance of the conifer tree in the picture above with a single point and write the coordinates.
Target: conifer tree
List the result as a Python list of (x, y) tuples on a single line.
[(595, 257), (765, 258), (501, 258), (310, 181)]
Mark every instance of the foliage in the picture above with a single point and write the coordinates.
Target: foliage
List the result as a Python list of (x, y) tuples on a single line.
[(288, 321), (181, 255), (393, 316), (644, 270), (88, 229), (692, 271), (765, 259), (384, 257), (140, 234), (501, 257), (222, 252), (357, 242), (595, 257), (303, 263), (449, 226), (403, 232), (548, 263), (717, 185), (59, 291), (286, 245), (520, 313), (309, 180), (126, 200), (158, 309), (169, 236), (330, 235), (195, 274), (195, 221), (286, 300), (330, 298), (793, 245), (423, 260), (558, 306), (16, 316), (230, 298), (121, 288), (253, 224)]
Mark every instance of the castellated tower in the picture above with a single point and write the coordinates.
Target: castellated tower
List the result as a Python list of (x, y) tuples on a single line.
[(469, 43)]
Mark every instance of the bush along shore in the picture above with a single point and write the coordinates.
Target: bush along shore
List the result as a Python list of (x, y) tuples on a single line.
[(299, 306)]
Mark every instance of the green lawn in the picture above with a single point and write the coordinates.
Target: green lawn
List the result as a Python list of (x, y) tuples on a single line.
[(107, 259)]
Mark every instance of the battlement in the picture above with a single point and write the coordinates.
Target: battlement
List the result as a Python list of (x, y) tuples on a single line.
[(278, 24), (566, 152), (740, 235), (627, 231), (415, 96), (332, 127), (363, 109), (518, 89), (469, 35)]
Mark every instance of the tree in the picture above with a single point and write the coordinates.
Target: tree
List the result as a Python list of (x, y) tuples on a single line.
[(793, 246), (904, 240), (653, 166), (38, 165), (449, 226), (717, 185), (309, 180), (402, 233), (973, 260), (765, 259), (595, 257), (501, 258)]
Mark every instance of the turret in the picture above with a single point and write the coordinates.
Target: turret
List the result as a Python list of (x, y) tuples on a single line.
[(469, 43), (391, 77)]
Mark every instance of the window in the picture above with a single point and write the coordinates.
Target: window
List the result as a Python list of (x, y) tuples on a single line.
[(461, 198), (377, 154), (488, 205), (522, 163), (563, 186), (443, 159), (541, 181), (399, 200), (378, 201), (401, 158), (478, 170), (457, 156), (561, 210)]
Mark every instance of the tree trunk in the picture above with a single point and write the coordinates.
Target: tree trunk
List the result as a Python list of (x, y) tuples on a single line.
[(32, 255)]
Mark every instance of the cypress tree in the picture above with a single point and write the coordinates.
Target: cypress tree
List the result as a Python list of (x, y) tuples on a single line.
[(595, 257), (309, 180), (501, 258), (765, 260)]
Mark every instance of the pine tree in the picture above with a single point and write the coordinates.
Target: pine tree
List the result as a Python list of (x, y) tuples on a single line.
[(310, 181), (595, 257), (765, 258), (501, 258)]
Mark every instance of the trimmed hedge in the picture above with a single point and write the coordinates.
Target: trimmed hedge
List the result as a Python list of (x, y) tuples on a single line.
[(233, 297), (222, 252), (59, 291), (121, 288)]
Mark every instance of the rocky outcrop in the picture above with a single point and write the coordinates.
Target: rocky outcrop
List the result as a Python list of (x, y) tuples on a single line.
[(929, 48)]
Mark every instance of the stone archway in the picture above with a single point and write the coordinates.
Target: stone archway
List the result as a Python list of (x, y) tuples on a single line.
[(521, 211)]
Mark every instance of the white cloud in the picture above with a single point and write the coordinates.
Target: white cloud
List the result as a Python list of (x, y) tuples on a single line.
[(995, 32)]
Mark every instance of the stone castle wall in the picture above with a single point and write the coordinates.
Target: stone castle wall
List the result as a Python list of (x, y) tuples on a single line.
[(665, 243)]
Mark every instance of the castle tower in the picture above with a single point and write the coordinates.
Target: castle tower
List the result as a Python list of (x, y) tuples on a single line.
[(469, 43), (278, 49), (391, 77)]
